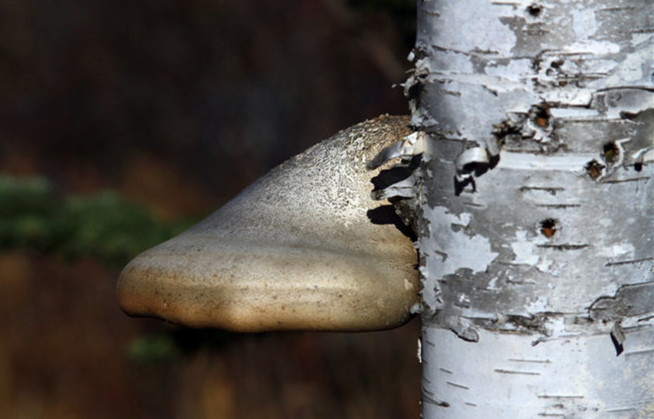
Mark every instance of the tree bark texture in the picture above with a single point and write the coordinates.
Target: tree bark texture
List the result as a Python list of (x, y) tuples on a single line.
[(536, 216)]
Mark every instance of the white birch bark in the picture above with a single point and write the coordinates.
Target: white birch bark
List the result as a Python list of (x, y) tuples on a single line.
[(536, 219)]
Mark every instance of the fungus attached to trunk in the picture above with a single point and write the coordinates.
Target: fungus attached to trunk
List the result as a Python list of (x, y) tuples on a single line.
[(303, 248)]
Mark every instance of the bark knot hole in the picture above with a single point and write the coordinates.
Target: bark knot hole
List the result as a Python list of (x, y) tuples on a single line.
[(535, 9), (548, 227), (540, 115), (595, 169), (611, 152)]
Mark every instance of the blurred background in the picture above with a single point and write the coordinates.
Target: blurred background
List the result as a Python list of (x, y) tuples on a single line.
[(122, 123)]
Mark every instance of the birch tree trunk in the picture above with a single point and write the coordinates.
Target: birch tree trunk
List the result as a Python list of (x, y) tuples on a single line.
[(536, 216)]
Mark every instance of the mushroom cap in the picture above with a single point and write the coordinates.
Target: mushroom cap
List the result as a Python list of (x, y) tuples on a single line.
[(303, 248)]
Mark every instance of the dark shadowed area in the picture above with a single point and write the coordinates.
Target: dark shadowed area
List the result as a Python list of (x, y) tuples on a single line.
[(124, 121)]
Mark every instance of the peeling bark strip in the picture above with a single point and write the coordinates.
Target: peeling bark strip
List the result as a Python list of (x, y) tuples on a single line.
[(536, 219)]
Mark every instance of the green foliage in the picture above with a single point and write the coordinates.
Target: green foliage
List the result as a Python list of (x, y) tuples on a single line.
[(153, 349), (26, 206), (104, 225), (34, 217), (174, 343)]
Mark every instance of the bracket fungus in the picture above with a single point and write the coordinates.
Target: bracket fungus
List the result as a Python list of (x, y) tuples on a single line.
[(303, 248)]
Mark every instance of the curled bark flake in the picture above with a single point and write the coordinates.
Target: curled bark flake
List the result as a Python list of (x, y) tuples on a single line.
[(618, 337)]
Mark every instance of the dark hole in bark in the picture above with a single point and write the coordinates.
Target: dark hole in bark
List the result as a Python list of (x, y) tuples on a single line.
[(638, 166), (628, 115), (541, 116), (548, 227), (534, 9), (594, 169), (611, 152), (557, 63)]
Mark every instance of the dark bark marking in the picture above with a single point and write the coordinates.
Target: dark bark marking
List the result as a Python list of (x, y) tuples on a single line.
[(628, 262), (629, 300), (428, 397), (558, 206), (565, 246), (501, 371), (457, 385), (634, 179), (552, 190), (535, 361)]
